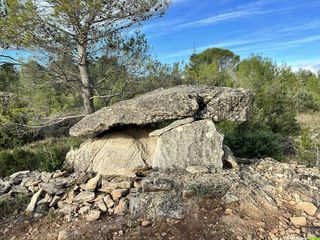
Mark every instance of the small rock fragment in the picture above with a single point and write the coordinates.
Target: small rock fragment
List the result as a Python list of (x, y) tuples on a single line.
[(122, 208), (84, 196), (145, 223), (64, 235), (228, 211), (34, 200), (17, 177), (93, 215), (54, 201), (84, 210), (119, 193), (108, 201), (197, 169), (298, 221), (307, 207), (102, 206), (92, 184)]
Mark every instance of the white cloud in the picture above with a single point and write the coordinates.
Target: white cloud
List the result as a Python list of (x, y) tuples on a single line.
[(313, 66)]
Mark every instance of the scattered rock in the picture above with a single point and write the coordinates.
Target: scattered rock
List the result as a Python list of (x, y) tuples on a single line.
[(34, 200), (4, 186), (108, 201), (119, 193), (93, 215), (53, 189), (298, 221), (85, 196), (307, 207), (102, 206), (84, 210), (46, 176), (17, 177), (54, 201), (18, 190), (64, 235), (145, 223), (122, 208), (92, 184), (46, 199), (197, 169)]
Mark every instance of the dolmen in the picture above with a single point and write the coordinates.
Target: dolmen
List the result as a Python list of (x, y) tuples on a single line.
[(166, 129)]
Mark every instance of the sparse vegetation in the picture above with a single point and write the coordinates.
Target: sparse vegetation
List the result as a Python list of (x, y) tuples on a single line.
[(47, 155)]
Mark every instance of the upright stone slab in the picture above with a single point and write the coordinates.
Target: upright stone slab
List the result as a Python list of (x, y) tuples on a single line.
[(192, 144), (116, 153)]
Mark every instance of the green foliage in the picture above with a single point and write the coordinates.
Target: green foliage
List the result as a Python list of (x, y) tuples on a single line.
[(274, 107), (305, 101), (223, 57), (14, 205), (250, 141), (308, 149), (214, 66), (314, 238), (8, 77), (47, 155)]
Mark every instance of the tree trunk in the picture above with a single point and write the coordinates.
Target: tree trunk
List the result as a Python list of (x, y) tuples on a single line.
[(86, 88)]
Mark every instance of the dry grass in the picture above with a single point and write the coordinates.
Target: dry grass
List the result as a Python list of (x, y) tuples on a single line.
[(311, 120)]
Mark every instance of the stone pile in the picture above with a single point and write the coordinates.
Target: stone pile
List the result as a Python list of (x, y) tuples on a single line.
[(165, 129), (72, 195), (270, 200)]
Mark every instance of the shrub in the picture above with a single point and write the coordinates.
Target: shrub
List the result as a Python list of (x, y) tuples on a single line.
[(305, 101), (13, 205), (253, 142), (308, 149), (46, 155)]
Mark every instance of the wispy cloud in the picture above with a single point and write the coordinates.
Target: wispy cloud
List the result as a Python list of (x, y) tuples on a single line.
[(313, 66), (246, 46)]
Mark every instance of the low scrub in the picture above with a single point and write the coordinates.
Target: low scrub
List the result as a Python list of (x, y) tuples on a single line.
[(45, 155), (247, 141), (14, 205)]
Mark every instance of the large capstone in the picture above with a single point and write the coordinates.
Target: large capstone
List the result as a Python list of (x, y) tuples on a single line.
[(201, 102)]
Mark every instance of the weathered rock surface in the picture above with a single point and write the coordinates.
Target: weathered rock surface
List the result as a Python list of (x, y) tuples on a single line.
[(179, 102), (34, 201), (4, 186), (119, 153), (271, 200), (183, 143), (197, 143)]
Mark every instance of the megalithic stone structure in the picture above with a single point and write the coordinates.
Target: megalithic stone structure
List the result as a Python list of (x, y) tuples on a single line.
[(124, 139)]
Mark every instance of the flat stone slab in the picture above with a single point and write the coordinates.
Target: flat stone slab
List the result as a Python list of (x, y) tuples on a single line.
[(200, 102)]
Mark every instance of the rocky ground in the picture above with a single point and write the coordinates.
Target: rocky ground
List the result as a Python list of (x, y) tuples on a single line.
[(262, 200)]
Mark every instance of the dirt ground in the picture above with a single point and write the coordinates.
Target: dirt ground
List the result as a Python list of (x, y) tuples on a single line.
[(207, 221)]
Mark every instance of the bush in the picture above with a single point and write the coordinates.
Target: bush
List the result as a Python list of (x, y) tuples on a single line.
[(13, 205), (47, 155), (253, 142), (305, 101), (308, 149)]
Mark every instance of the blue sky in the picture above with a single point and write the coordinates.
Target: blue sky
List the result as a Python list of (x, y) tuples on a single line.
[(287, 31)]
